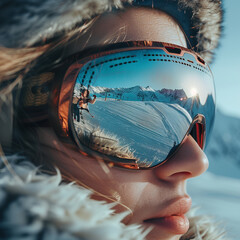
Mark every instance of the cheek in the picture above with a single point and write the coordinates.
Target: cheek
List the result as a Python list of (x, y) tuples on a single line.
[(131, 193), (132, 198), (113, 184), (127, 188), (121, 185)]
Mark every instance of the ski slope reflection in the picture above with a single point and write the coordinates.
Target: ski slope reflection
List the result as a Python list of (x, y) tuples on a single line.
[(133, 129)]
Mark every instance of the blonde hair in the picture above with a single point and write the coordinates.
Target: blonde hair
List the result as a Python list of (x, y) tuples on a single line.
[(15, 64)]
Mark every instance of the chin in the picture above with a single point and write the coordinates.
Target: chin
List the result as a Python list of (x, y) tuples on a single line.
[(157, 234), (163, 231)]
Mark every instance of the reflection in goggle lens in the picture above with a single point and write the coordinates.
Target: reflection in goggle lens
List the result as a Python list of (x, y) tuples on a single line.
[(140, 104)]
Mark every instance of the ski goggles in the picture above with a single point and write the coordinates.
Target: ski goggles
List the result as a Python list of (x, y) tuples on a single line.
[(132, 104)]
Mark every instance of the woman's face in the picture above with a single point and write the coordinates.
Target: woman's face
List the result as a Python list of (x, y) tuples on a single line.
[(85, 93), (158, 193)]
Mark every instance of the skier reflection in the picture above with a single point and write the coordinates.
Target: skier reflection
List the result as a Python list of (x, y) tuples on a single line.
[(75, 109), (85, 99), (83, 102)]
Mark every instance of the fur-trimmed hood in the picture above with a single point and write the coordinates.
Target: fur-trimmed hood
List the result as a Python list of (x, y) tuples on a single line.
[(34, 205), (31, 22)]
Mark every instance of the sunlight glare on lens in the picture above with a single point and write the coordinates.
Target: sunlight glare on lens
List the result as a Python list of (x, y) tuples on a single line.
[(193, 92)]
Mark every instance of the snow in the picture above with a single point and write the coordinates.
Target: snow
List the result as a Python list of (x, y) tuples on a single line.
[(139, 122)]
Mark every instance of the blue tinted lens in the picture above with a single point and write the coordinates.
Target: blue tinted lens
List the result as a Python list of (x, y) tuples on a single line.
[(140, 104)]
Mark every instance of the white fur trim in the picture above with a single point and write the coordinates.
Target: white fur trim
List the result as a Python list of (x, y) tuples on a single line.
[(36, 205)]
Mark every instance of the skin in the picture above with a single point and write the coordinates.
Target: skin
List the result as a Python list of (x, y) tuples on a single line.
[(145, 192)]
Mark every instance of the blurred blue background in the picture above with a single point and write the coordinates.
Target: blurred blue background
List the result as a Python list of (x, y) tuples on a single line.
[(217, 192), (226, 67)]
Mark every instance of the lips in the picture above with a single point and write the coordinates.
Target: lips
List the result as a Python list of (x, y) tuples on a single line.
[(172, 218)]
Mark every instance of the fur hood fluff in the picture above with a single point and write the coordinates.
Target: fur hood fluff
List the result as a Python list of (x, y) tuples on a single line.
[(34, 205), (30, 22), (38, 206)]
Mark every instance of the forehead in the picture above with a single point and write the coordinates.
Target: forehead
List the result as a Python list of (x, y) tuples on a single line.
[(133, 24)]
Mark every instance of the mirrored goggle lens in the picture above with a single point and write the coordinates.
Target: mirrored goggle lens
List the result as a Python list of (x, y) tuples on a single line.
[(140, 104)]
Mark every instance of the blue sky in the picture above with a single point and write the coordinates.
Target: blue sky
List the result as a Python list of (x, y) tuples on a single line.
[(226, 67), (138, 71)]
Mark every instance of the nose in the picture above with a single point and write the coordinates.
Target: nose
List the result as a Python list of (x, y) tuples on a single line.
[(190, 161)]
